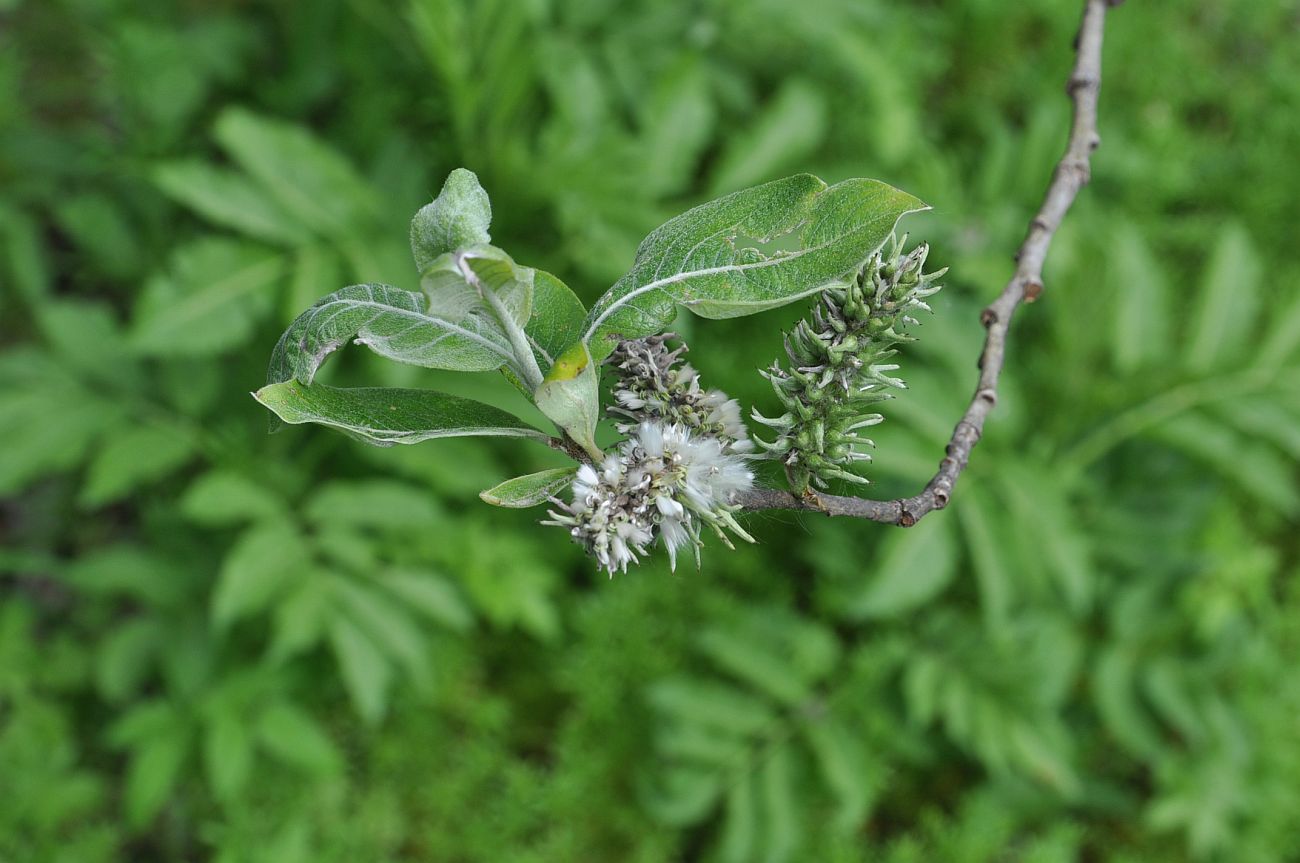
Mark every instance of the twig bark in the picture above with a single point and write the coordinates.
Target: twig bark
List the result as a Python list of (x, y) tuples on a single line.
[(569, 447), (1071, 174)]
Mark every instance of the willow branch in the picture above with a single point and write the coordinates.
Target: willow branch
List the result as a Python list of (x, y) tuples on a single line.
[(1071, 175)]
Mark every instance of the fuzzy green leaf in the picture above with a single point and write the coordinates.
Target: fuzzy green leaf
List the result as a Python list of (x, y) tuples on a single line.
[(480, 280), (1117, 702), (529, 490), (706, 260), (393, 323), (458, 217), (557, 317), (781, 827), (385, 416), (570, 396)]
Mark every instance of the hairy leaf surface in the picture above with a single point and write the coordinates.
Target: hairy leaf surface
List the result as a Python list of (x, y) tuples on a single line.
[(707, 259), (479, 281), (570, 396), (460, 216), (528, 490), (557, 318), (393, 323), (385, 416)]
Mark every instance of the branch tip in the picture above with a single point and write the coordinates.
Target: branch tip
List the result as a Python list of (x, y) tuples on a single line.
[(1025, 285)]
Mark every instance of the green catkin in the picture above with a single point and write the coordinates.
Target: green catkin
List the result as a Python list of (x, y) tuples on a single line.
[(838, 367)]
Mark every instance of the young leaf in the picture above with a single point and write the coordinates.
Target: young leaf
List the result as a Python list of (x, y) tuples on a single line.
[(85, 335), (457, 218), (386, 622), (530, 490), (1283, 336), (986, 540), (124, 659), (704, 259), (1062, 551), (393, 323), (384, 416), (680, 794), (24, 266), (479, 280), (760, 665), (557, 317), (1114, 693), (1255, 467), (301, 618), (570, 397)]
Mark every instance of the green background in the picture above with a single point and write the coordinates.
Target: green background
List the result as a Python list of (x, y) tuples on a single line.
[(221, 645)]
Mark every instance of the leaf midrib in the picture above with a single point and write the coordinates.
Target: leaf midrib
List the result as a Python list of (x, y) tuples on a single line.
[(710, 271), (422, 317)]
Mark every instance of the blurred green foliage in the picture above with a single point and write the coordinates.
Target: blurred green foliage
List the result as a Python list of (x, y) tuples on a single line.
[(221, 645)]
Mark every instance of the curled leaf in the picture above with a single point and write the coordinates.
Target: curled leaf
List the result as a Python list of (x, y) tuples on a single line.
[(457, 218), (384, 416), (570, 397)]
